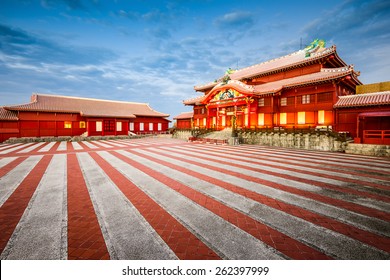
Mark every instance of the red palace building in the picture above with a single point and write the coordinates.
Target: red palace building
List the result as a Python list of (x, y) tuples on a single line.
[(54, 115), (184, 120), (366, 114), (297, 91)]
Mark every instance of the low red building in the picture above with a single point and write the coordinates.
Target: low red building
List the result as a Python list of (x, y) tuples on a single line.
[(54, 115), (366, 116), (184, 120)]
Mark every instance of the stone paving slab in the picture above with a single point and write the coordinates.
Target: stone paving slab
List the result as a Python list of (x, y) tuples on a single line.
[(161, 198)]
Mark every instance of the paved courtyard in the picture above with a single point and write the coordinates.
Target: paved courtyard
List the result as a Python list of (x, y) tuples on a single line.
[(160, 198)]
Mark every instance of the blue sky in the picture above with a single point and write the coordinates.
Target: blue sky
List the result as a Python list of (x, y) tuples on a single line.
[(156, 51)]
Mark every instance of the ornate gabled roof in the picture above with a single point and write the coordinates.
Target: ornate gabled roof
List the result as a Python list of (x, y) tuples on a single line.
[(86, 107), (184, 115), (234, 84), (364, 99), (279, 64), (6, 115), (325, 75)]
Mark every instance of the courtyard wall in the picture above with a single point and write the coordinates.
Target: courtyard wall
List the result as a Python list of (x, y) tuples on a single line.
[(307, 141)]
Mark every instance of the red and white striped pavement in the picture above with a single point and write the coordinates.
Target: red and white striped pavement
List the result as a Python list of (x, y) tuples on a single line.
[(159, 198)]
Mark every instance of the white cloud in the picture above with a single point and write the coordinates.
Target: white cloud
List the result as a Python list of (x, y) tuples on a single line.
[(237, 19)]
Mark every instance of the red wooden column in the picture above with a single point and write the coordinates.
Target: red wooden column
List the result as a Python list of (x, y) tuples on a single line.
[(125, 127), (19, 127), (248, 106), (273, 110), (357, 138), (88, 128), (255, 115), (217, 120)]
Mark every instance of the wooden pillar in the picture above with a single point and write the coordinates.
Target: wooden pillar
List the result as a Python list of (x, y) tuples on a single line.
[(255, 113), (19, 126), (273, 110), (88, 128), (357, 126), (248, 113), (217, 120), (115, 132), (208, 123)]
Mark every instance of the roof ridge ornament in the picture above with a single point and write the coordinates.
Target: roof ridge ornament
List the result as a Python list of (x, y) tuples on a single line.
[(229, 71), (313, 46), (34, 98), (226, 78)]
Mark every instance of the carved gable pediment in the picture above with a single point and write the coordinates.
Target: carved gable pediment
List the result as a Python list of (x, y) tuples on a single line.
[(225, 94), (228, 91)]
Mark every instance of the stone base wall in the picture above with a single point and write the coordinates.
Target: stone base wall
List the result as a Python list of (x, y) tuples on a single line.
[(368, 150), (182, 134), (71, 139), (314, 141), (322, 141), (164, 135), (38, 139)]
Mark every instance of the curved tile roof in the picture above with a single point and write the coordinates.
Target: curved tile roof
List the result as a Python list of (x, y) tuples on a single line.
[(86, 107), (205, 86), (364, 99), (194, 100), (325, 74), (6, 115), (236, 84), (184, 115), (280, 63)]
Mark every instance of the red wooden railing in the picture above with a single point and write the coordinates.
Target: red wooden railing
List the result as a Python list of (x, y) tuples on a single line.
[(380, 137)]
